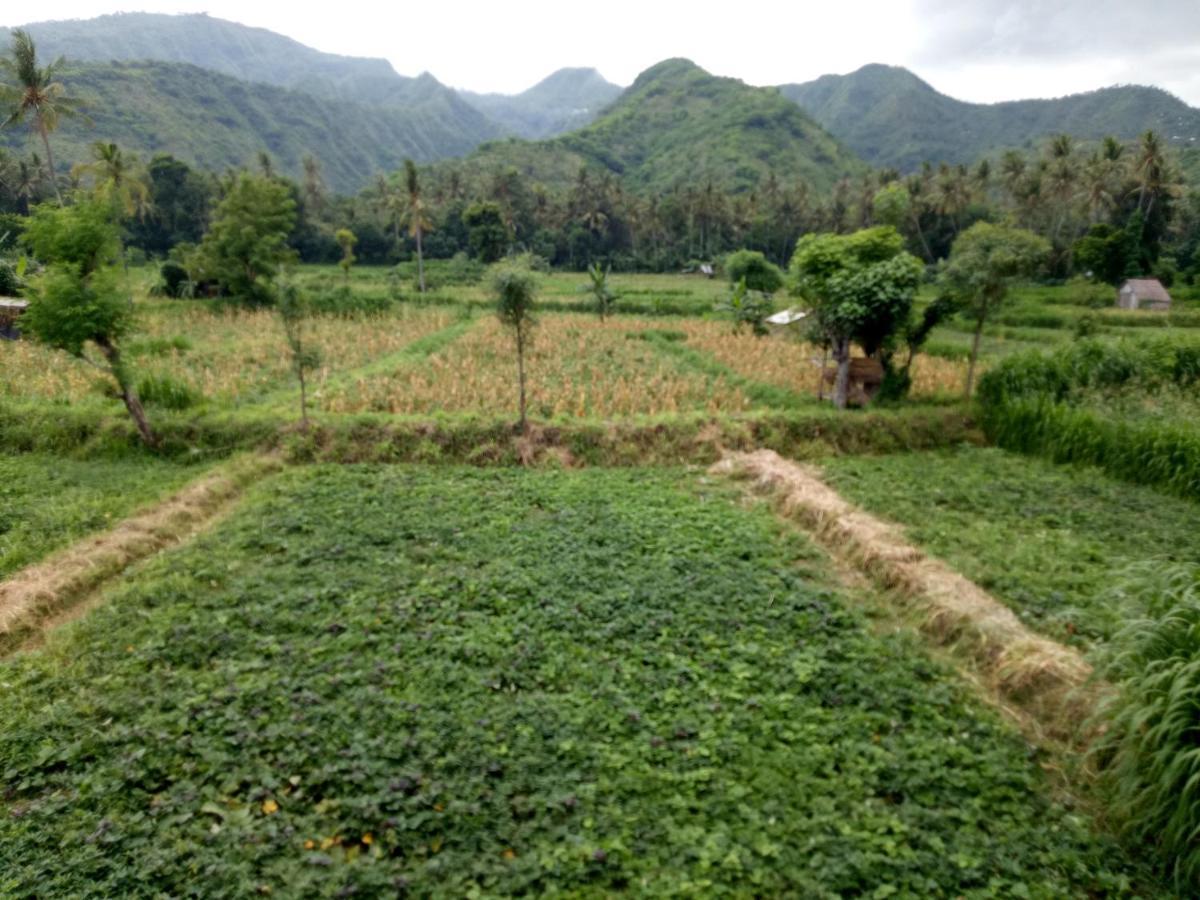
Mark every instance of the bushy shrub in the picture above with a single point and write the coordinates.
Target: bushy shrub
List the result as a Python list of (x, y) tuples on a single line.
[(1147, 752), (759, 273), (342, 301), (11, 283), (165, 391), (175, 281)]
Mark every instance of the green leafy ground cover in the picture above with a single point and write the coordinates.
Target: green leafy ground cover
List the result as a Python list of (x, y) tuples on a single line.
[(1048, 540), (46, 501), (482, 682)]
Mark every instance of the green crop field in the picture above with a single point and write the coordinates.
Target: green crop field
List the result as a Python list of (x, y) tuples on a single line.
[(1046, 539), (47, 501), (463, 682)]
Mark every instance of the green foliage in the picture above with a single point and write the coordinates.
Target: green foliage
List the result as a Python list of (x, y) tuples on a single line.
[(167, 392), (68, 311), (515, 288), (487, 233), (246, 244), (893, 119), (747, 307), (295, 312), (1047, 540), (11, 283), (346, 240), (1128, 407), (82, 236), (1107, 252), (986, 261), (755, 270), (860, 286), (1146, 746), (176, 282), (49, 501), (598, 287), (454, 682)]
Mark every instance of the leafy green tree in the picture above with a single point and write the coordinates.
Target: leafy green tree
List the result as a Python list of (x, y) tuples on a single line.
[(247, 242), (755, 270), (35, 96), (295, 310), (79, 301), (515, 288), (860, 287), (179, 205), (598, 287), (118, 179), (486, 231), (417, 217), (984, 262), (1105, 251), (346, 240)]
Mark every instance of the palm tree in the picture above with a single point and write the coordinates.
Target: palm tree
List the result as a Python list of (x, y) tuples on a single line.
[(418, 220), (35, 96), (116, 177)]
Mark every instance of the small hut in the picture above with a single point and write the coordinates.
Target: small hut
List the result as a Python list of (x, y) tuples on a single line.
[(10, 312), (1144, 293), (866, 377)]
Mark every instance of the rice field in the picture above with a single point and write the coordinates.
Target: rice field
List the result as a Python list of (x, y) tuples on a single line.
[(578, 367)]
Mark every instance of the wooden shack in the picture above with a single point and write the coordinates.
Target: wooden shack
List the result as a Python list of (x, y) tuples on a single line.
[(1144, 293), (11, 311), (866, 377)]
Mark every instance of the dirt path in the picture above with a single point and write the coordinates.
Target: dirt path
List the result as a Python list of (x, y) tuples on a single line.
[(1041, 677), (58, 588)]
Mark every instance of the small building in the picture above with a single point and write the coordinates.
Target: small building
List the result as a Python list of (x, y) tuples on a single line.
[(1144, 293), (10, 312)]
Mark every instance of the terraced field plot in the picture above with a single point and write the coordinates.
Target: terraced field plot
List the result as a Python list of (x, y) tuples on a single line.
[(578, 367), (230, 357), (46, 502), (1047, 540), (469, 682)]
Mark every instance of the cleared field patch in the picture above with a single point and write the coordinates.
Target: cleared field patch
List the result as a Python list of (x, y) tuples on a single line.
[(579, 367), (1046, 539), (46, 502), (465, 682), (230, 357)]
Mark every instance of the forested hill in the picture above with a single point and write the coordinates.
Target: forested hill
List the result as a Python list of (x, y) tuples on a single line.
[(215, 121), (679, 126), (890, 117), (251, 54), (566, 100)]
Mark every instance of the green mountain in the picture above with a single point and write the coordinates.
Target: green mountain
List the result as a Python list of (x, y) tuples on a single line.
[(250, 54), (215, 121), (890, 117), (678, 125), (566, 100)]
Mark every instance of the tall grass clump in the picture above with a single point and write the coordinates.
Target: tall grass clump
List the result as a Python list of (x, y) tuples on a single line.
[(1148, 749), (1128, 407)]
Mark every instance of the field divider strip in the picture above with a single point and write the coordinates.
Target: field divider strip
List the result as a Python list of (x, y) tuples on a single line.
[(769, 395), (32, 596), (1048, 681)]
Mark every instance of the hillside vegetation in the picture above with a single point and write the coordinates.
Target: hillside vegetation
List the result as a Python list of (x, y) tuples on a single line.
[(677, 124), (565, 100), (217, 122), (890, 117)]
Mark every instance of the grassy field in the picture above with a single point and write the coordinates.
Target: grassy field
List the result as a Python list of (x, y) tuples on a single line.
[(1046, 539), (480, 683), (46, 501)]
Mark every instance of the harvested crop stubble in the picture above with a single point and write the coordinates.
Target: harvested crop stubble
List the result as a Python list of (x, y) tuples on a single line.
[(1022, 666), (230, 356), (785, 362), (577, 367), (41, 590)]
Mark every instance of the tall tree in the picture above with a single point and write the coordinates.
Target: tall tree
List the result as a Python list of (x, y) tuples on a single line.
[(860, 287), (35, 96), (418, 219), (985, 260)]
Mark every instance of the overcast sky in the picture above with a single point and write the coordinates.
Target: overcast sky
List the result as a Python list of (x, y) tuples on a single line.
[(982, 50)]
